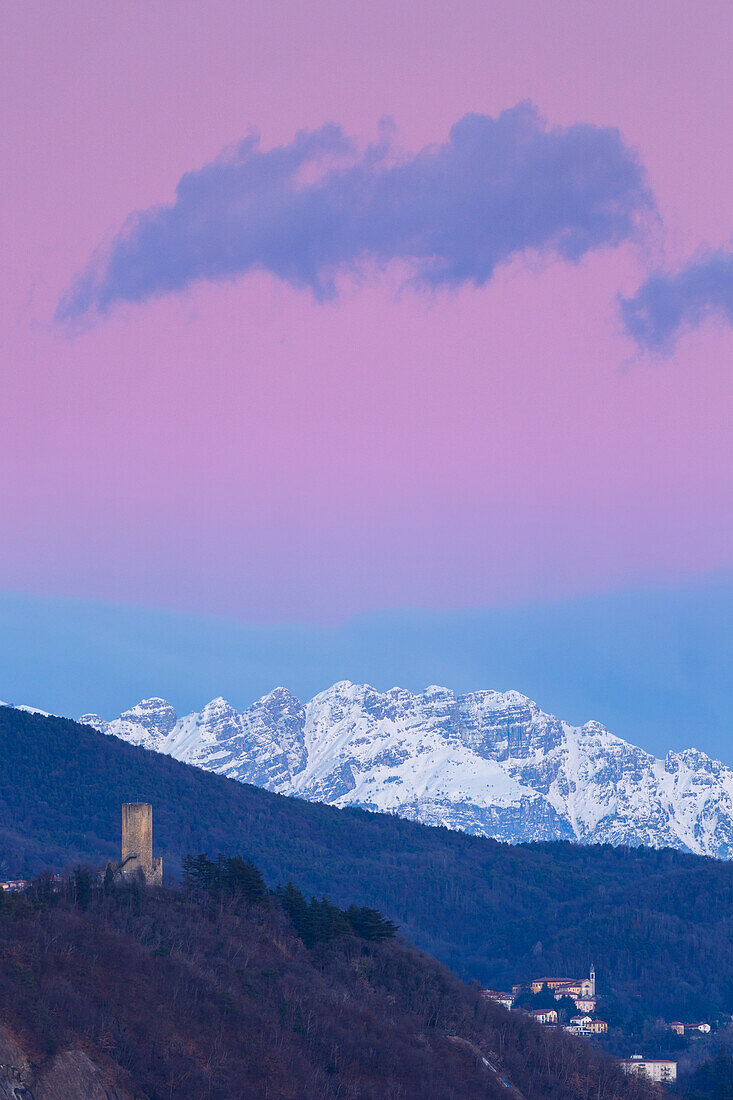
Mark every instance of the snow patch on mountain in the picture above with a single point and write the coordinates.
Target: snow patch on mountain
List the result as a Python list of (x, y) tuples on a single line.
[(27, 709), (491, 763)]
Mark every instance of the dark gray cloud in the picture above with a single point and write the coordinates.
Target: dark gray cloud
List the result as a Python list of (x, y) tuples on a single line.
[(316, 207), (666, 305)]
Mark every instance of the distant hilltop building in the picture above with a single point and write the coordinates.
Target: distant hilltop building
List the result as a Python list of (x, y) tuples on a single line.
[(137, 844), (580, 990)]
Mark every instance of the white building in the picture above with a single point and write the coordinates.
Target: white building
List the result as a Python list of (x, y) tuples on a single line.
[(544, 1015), (506, 999), (656, 1069)]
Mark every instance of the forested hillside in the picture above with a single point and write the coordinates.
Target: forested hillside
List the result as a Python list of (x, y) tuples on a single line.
[(712, 1080), (657, 924), (214, 992)]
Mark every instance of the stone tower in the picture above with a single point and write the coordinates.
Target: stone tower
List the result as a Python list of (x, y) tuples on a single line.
[(137, 843), (592, 980)]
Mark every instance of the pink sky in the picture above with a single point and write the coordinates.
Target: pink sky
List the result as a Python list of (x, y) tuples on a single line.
[(242, 449)]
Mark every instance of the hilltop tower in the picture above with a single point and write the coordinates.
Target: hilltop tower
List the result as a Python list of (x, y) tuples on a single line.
[(137, 843)]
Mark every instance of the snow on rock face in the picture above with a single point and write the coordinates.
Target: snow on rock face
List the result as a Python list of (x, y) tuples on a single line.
[(95, 722), (147, 724), (490, 763)]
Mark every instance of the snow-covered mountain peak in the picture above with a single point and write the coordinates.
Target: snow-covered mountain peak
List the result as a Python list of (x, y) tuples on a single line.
[(151, 705), (148, 723), (489, 762), (279, 700), (153, 713), (96, 722), (280, 693), (433, 690), (218, 709), (693, 760), (343, 689)]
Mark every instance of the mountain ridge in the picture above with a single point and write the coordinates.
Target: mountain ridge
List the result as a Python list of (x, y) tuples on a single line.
[(489, 763), (657, 923)]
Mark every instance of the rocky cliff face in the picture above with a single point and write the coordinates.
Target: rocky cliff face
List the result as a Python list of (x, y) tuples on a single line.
[(490, 763), (68, 1075)]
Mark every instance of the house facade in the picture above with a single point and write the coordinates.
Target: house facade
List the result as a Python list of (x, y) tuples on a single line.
[(656, 1069), (587, 1025), (537, 984), (544, 1015)]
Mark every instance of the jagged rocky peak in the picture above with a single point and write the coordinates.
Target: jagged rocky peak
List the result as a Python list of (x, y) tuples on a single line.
[(280, 703), (693, 760), (156, 715), (331, 706), (148, 723), (218, 710)]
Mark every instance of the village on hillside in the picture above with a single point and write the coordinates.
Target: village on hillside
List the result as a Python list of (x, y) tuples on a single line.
[(582, 993)]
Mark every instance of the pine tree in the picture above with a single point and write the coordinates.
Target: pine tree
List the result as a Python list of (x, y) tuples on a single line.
[(370, 924)]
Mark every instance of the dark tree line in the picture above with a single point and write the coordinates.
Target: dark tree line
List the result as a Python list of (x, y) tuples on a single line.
[(321, 921), (225, 876), (317, 921)]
